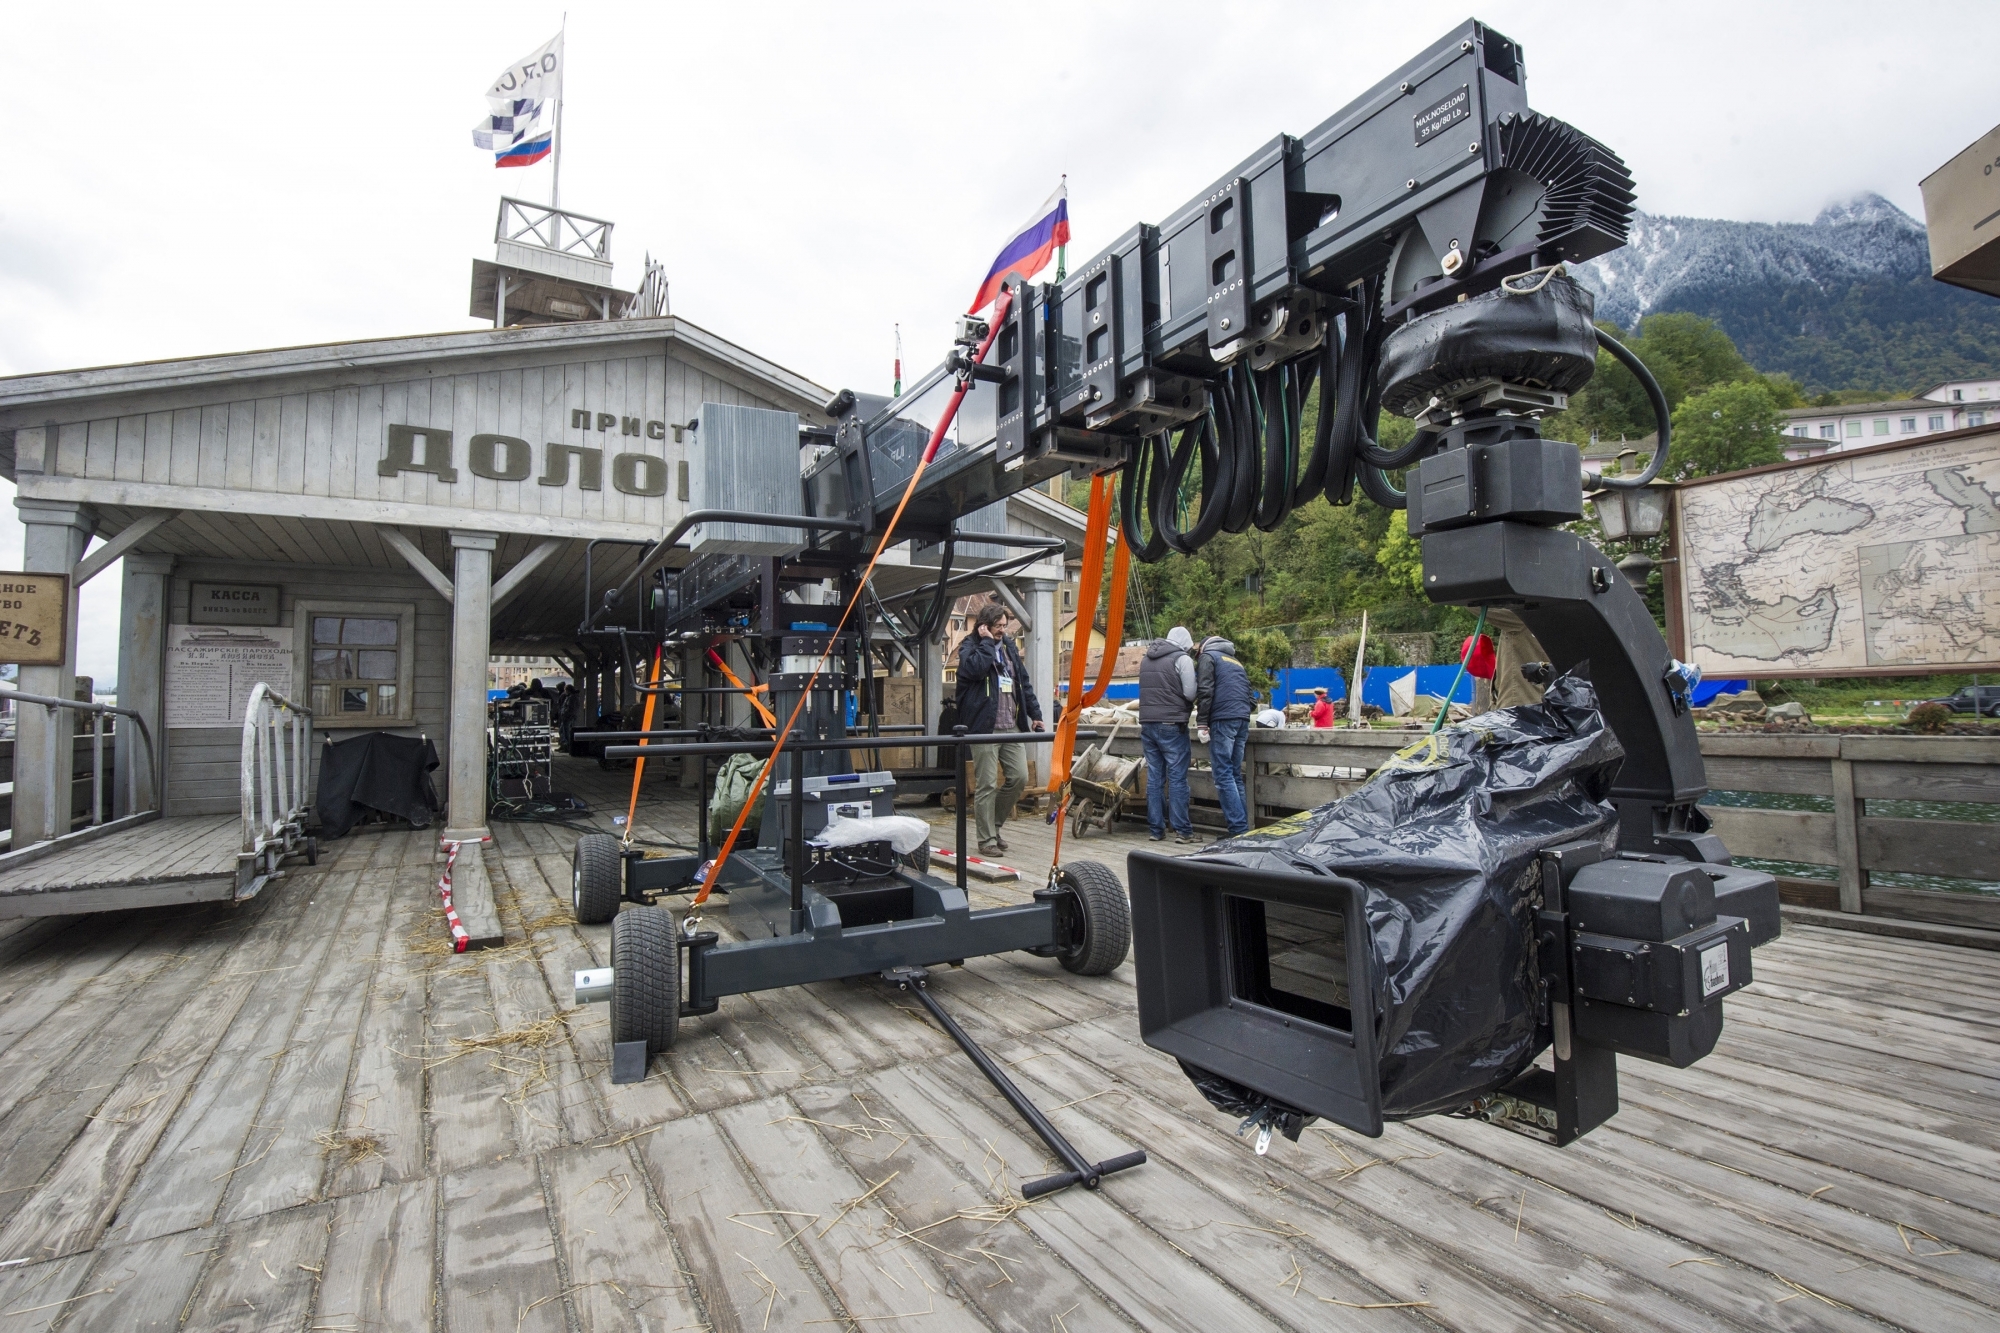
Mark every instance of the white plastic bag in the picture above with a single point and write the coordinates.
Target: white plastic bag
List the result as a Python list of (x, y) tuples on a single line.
[(903, 833)]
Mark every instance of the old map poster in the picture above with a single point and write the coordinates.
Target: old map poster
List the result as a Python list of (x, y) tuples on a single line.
[(1864, 563)]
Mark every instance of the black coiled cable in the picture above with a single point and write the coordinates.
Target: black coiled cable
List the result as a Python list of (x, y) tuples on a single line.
[(1139, 495)]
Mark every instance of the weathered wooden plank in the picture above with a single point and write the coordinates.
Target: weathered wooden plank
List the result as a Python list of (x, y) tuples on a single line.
[(34, 1296), (265, 1275), (1927, 782), (71, 1207), (378, 1273), (1805, 777), (1478, 1268), (543, 983), (995, 1266), (1856, 1151), (1777, 835), (145, 1287), (854, 1244), (464, 1086), (734, 1055), (93, 1057), (1972, 1228), (1669, 1206), (747, 1276), (498, 1263), (183, 1181), (304, 1101), (619, 1256), (384, 1105), (1931, 847)]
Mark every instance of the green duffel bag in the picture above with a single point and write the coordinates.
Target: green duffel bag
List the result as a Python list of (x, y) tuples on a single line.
[(732, 788)]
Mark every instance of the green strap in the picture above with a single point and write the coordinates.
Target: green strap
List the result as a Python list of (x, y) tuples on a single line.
[(1444, 708)]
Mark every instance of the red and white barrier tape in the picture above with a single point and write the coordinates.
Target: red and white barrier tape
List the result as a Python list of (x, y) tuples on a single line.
[(460, 940)]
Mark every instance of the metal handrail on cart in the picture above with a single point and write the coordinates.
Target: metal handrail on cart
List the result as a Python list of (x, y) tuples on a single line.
[(276, 776), (59, 803)]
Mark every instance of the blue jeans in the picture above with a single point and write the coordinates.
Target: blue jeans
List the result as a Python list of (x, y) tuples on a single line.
[(1227, 742), (1166, 747)]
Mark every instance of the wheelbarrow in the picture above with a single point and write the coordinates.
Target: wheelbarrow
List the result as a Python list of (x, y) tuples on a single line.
[(1099, 785)]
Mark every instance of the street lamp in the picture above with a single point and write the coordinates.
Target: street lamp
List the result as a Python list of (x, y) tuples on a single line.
[(1631, 514)]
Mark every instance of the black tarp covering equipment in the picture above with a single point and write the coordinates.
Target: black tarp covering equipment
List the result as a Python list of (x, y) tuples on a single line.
[(1445, 839), (376, 771)]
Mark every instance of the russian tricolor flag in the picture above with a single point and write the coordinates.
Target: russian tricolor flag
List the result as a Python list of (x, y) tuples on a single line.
[(525, 154), (1031, 249)]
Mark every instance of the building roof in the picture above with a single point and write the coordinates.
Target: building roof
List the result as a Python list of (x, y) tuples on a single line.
[(372, 356), (1862, 409)]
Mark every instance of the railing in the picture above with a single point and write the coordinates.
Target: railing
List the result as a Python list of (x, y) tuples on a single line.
[(652, 299), (1835, 777), (553, 229), (277, 773), (59, 796), (56, 814)]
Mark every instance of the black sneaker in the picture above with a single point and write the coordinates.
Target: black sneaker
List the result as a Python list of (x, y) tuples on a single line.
[(1185, 839), (1156, 837)]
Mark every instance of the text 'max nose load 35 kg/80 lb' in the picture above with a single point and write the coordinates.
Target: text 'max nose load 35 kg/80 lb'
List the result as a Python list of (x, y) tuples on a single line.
[(1539, 878)]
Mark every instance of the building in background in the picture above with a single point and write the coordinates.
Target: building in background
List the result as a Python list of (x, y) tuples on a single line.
[(1950, 405)]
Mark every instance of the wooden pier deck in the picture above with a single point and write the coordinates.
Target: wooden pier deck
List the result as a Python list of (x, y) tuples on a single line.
[(301, 1112), (186, 859)]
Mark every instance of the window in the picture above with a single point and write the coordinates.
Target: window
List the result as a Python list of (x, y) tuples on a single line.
[(1799, 432), (1975, 418), (1828, 432), (1958, 395), (358, 662), (1853, 430), (1881, 425), (1937, 423), (1908, 424)]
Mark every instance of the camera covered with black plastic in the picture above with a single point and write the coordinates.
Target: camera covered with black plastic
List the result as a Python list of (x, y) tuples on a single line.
[(1415, 947)]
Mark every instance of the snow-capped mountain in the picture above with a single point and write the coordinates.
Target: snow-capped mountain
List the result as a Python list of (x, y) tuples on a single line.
[(1845, 301)]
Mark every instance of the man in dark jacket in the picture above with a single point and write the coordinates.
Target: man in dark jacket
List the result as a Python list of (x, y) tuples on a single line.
[(994, 696), (1166, 693), (1223, 704)]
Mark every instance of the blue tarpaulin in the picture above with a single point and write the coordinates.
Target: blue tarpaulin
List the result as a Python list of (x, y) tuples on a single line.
[(1703, 694)]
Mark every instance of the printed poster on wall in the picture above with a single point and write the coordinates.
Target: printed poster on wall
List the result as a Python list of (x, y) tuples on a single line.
[(211, 670)]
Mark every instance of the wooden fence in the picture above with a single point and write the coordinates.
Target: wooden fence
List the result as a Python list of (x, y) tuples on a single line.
[(1849, 771)]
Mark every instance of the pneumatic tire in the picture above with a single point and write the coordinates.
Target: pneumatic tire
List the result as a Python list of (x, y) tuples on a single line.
[(645, 978), (1105, 914), (597, 879)]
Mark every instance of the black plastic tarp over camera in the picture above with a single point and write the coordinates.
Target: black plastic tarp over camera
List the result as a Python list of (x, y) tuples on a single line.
[(1445, 839), (376, 771)]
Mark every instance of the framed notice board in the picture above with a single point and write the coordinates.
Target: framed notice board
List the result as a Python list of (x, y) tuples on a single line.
[(34, 618)]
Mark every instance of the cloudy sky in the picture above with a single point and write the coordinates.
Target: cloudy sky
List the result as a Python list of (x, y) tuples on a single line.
[(206, 178)]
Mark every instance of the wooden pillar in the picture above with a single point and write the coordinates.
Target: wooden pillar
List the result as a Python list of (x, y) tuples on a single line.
[(1847, 837), (57, 532), (142, 654), (471, 645)]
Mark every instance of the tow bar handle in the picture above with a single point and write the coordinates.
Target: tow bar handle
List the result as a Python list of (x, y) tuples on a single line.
[(1081, 1172)]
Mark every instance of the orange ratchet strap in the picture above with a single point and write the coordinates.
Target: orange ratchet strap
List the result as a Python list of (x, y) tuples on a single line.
[(639, 765), (1001, 307), (750, 692)]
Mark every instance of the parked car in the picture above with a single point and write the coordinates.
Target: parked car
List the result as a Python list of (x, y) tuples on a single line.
[(1981, 700)]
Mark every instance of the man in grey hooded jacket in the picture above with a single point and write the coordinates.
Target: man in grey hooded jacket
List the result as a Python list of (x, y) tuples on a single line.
[(1223, 704), (1166, 693)]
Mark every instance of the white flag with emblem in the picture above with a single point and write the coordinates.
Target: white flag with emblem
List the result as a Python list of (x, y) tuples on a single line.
[(535, 77)]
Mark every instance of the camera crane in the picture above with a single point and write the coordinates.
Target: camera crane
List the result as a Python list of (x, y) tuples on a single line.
[(1406, 254)]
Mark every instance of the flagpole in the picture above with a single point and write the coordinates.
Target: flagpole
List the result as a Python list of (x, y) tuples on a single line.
[(1062, 251), (555, 176)]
